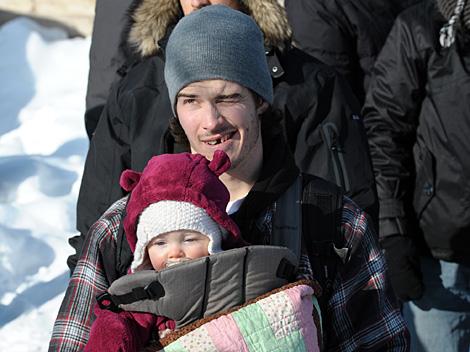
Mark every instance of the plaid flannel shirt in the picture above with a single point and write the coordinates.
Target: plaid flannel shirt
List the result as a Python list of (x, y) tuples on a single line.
[(362, 311)]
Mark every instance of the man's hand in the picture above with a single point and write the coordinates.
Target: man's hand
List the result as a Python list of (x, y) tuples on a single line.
[(403, 267)]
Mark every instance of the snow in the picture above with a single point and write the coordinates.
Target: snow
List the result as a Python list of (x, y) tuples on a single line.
[(43, 144)]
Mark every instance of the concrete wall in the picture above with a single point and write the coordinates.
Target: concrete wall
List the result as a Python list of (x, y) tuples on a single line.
[(77, 14)]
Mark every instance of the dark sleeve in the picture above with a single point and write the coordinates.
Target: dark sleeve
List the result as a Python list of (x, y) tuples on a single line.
[(330, 139), (106, 57), (391, 116), (108, 156)]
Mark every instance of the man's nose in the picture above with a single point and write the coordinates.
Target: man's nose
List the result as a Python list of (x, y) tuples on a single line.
[(211, 118)]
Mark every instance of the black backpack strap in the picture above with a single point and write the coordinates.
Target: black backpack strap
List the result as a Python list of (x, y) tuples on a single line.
[(286, 229), (322, 205), (116, 258), (123, 252)]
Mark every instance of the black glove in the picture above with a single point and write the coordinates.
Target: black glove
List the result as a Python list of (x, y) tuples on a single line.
[(403, 267)]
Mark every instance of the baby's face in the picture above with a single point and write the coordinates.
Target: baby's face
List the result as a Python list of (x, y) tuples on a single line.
[(176, 246)]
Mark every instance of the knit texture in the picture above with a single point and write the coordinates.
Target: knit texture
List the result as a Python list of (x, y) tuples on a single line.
[(187, 178), (168, 215), (217, 42)]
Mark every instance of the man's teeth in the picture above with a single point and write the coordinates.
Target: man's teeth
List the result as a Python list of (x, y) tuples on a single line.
[(219, 140)]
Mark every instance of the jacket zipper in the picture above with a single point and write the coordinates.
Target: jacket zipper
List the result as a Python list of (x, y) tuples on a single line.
[(330, 133)]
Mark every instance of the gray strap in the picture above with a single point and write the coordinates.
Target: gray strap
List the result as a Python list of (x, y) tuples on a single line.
[(205, 286), (286, 219)]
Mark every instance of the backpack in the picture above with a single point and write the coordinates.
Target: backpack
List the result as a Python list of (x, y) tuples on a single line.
[(318, 215)]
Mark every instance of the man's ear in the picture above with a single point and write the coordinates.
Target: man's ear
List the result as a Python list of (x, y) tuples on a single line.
[(262, 107)]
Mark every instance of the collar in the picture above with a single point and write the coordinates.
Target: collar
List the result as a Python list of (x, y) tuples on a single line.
[(274, 64), (278, 173)]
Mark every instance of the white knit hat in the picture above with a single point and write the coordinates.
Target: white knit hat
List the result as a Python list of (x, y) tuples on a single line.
[(168, 215)]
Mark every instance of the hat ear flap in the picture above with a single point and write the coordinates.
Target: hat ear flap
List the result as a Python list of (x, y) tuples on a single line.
[(220, 162), (129, 179)]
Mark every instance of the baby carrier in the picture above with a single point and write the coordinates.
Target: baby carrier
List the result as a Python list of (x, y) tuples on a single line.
[(237, 293), (244, 299)]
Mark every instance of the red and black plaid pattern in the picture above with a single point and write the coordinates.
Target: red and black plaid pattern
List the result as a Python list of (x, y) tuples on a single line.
[(73, 322), (362, 310)]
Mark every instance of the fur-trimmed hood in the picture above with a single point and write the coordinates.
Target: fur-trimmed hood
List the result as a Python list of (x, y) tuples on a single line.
[(150, 20)]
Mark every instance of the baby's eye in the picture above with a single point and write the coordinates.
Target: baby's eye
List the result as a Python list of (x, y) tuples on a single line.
[(159, 243)]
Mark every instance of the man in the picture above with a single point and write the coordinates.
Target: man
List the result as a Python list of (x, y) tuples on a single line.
[(220, 91), (417, 116), (134, 123)]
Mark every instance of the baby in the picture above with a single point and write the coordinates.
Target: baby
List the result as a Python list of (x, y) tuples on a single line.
[(175, 212)]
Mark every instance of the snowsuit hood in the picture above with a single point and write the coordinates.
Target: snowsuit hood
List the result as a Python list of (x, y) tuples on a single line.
[(149, 21)]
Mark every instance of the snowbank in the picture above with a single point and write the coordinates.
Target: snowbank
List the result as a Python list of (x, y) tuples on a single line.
[(43, 144)]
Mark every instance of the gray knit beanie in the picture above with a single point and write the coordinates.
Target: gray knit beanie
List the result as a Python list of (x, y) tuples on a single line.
[(217, 42)]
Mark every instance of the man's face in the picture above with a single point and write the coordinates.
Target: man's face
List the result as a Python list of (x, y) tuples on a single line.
[(175, 247), (222, 115), (189, 6)]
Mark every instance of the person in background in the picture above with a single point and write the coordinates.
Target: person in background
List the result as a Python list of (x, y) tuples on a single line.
[(344, 34), (221, 99), (417, 117), (106, 57)]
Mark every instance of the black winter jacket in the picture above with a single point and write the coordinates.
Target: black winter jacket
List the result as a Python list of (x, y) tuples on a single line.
[(345, 34), (417, 115), (133, 126), (106, 57)]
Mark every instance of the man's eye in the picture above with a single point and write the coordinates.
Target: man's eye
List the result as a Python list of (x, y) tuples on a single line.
[(189, 101), (227, 101)]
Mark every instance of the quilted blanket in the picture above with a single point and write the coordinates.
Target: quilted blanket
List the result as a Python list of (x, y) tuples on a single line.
[(285, 319)]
